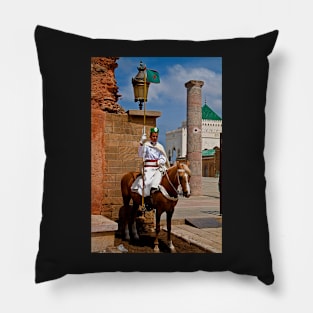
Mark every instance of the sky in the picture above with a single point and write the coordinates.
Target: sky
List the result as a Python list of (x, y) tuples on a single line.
[(170, 95)]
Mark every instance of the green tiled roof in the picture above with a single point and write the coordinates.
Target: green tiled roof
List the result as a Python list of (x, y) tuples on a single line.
[(208, 114), (208, 152)]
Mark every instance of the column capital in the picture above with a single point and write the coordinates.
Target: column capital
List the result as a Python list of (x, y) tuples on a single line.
[(194, 83)]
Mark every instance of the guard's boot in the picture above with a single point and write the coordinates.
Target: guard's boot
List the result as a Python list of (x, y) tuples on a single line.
[(153, 189), (148, 204)]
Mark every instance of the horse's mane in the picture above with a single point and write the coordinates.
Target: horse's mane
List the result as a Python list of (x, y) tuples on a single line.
[(184, 165)]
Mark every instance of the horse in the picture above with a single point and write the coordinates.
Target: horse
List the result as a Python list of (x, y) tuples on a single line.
[(163, 200)]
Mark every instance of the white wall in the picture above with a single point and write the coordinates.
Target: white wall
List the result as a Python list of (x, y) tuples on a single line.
[(177, 138), (211, 134)]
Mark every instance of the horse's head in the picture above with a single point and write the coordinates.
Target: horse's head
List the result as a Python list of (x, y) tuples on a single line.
[(184, 174)]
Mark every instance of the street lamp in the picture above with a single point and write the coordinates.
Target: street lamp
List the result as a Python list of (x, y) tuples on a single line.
[(140, 85)]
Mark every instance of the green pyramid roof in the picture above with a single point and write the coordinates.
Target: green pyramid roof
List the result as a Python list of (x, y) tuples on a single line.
[(209, 114)]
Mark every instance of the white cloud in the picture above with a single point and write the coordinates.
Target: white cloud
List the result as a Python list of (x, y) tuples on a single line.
[(172, 86), (171, 91)]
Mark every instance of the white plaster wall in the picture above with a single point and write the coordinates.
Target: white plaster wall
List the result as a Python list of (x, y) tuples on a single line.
[(210, 136)]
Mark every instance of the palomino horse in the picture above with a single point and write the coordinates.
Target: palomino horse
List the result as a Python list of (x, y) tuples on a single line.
[(163, 200)]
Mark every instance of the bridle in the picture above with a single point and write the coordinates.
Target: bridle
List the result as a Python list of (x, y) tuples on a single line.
[(179, 184)]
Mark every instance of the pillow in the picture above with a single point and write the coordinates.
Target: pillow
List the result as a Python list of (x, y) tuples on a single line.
[(76, 203)]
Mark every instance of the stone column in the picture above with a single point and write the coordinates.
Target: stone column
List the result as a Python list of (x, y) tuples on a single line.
[(194, 138)]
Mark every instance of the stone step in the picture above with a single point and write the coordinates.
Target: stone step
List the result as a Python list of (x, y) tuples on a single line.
[(204, 222), (102, 233), (209, 239)]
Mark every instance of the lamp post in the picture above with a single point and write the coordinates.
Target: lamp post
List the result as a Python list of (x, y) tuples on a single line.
[(140, 85)]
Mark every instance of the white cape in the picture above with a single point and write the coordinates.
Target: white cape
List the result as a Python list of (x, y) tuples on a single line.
[(137, 184)]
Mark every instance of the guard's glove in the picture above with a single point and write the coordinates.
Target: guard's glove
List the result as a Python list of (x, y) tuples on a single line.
[(143, 139), (162, 167)]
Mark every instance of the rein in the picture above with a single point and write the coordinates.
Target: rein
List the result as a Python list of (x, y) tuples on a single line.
[(178, 170)]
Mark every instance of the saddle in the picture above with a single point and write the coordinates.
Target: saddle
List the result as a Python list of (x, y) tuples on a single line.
[(137, 187)]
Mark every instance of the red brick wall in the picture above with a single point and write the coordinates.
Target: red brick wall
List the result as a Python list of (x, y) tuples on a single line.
[(104, 89), (98, 163)]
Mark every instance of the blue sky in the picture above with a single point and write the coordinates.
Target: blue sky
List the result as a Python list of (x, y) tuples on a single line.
[(170, 95)]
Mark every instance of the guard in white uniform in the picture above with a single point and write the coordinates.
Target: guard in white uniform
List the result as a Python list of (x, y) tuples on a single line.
[(155, 163)]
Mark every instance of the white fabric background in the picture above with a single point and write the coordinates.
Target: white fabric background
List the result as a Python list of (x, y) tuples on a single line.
[(288, 157)]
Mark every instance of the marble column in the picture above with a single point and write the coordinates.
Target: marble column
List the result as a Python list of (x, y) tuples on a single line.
[(194, 138)]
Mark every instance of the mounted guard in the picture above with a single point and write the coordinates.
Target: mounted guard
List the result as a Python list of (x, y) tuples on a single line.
[(155, 163), (156, 187)]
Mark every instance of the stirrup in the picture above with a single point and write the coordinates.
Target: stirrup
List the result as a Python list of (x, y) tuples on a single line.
[(147, 204), (148, 207)]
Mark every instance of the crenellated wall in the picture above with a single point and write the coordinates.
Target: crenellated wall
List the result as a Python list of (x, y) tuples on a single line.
[(104, 90)]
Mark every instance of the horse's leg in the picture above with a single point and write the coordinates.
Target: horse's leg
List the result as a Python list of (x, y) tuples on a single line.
[(127, 223), (126, 232), (133, 221), (157, 230), (126, 218), (169, 215)]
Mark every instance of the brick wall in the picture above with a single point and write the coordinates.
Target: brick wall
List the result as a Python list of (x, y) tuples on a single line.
[(104, 89), (115, 136), (114, 145)]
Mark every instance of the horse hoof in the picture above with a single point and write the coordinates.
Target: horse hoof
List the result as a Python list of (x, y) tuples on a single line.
[(156, 249), (171, 247)]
